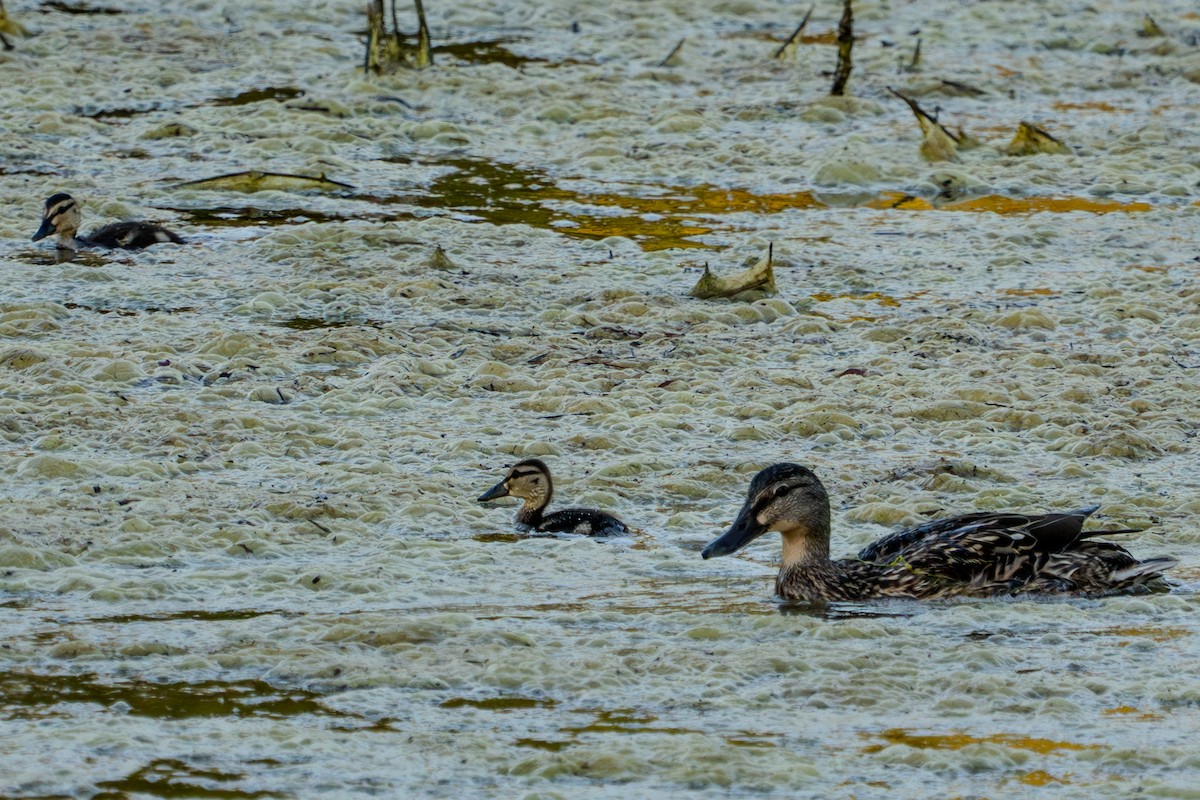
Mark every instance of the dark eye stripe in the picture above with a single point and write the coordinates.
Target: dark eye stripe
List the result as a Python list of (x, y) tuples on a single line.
[(62, 209), (764, 499), (524, 474)]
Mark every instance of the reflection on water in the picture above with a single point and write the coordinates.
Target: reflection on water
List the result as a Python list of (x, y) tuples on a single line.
[(28, 695), (168, 777)]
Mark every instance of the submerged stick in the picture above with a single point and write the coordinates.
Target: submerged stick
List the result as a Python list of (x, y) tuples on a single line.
[(761, 277), (795, 34), (845, 42)]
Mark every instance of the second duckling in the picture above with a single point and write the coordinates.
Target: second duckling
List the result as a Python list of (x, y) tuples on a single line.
[(530, 481), (61, 216)]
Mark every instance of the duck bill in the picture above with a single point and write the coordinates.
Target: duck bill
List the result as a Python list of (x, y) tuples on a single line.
[(499, 490), (744, 530), (46, 230)]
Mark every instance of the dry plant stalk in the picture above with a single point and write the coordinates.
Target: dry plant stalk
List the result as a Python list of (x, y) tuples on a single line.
[(1030, 140), (938, 144), (760, 277), (388, 49), (424, 56), (915, 64), (795, 34), (845, 43)]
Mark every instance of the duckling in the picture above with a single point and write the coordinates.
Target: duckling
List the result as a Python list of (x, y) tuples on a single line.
[(530, 481), (972, 555), (61, 216)]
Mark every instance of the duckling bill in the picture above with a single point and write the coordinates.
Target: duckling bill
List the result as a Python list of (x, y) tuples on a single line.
[(972, 555), (61, 217), (530, 481)]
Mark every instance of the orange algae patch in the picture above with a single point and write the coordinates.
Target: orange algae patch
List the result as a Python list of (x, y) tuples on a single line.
[(1130, 710), (957, 741), (1098, 105), (1028, 205), (1154, 634), (1039, 292), (1039, 777), (899, 200), (879, 297)]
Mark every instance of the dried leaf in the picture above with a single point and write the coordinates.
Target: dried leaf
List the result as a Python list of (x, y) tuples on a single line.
[(760, 277), (1030, 140), (939, 143)]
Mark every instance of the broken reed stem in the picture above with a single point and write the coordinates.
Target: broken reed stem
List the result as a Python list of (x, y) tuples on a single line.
[(916, 59), (387, 49), (795, 34), (845, 43), (424, 46)]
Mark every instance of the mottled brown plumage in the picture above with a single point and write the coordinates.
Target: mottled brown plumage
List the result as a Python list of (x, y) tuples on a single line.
[(973, 555), (530, 481)]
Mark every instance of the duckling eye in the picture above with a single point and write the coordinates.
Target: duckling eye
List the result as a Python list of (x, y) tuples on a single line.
[(782, 491)]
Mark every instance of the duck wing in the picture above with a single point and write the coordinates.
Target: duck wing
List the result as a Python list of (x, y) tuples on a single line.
[(1051, 531), (131, 235), (586, 521), (1008, 554)]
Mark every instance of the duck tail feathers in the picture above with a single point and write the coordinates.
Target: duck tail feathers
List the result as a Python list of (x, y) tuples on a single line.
[(1146, 570)]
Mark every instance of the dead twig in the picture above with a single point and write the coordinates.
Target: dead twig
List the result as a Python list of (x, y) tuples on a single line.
[(845, 42), (674, 52)]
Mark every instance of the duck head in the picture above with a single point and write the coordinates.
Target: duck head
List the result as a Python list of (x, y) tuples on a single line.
[(61, 216), (787, 498), (528, 480)]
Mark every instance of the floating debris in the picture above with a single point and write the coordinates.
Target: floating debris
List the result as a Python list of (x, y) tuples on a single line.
[(939, 144), (1030, 140), (760, 278), (170, 130), (439, 260), (257, 181), (1150, 29), (960, 89)]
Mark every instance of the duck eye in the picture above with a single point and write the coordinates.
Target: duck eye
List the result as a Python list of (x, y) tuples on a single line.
[(782, 491)]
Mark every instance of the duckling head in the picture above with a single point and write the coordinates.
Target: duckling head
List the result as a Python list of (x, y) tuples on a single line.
[(528, 480), (60, 216), (787, 498)]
